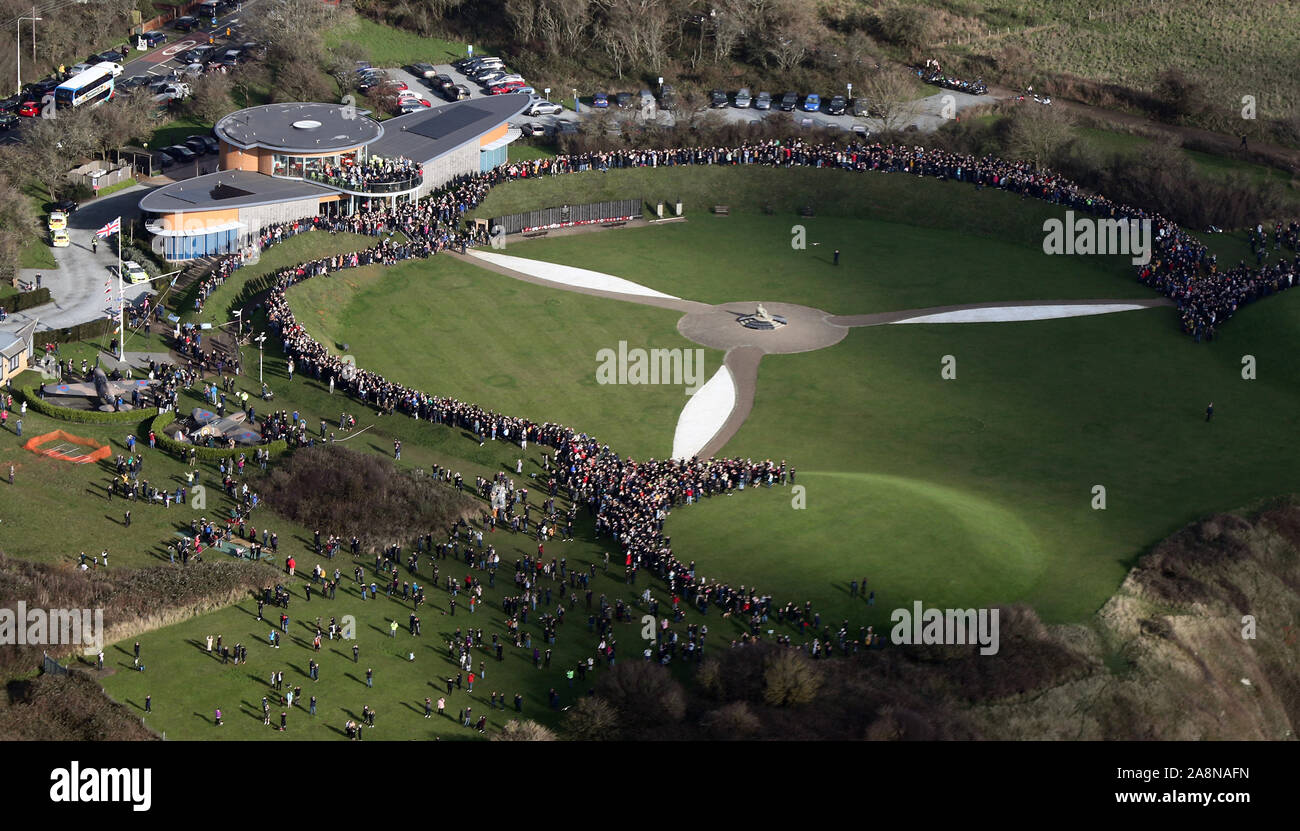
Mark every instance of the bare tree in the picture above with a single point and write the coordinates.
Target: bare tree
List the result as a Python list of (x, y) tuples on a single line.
[(889, 92), (18, 225), (731, 721), (210, 99), (794, 34), (592, 719), (517, 730), (790, 679), (643, 693), (1037, 133)]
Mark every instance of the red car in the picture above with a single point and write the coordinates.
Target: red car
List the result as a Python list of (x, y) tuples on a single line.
[(30, 109), (508, 86)]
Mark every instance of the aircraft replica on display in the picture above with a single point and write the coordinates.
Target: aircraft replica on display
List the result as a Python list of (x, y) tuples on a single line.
[(101, 390), (206, 423)]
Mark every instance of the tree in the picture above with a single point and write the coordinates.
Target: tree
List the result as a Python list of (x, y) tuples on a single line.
[(794, 34), (643, 693), (889, 92), (18, 225), (210, 98), (517, 730), (731, 722), (592, 719), (1037, 133), (908, 26), (130, 117), (790, 679)]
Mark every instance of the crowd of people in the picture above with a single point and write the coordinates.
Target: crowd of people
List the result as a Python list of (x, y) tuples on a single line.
[(629, 500), (373, 171)]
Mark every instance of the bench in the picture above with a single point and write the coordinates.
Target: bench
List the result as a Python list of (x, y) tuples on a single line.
[(722, 210), (536, 234), (613, 225)]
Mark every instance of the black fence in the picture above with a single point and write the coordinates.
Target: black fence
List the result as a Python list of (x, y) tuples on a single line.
[(618, 210)]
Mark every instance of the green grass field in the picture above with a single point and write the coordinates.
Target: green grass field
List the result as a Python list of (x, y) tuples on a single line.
[(387, 46)]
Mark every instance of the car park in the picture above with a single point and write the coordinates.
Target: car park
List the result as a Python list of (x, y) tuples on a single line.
[(763, 101), (836, 105), (743, 99), (623, 100), (544, 107), (58, 221), (789, 101), (60, 238), (423, 70), (155, 38), (508, 87)]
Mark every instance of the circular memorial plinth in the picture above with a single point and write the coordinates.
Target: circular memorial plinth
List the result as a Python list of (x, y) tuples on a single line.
[(763, 324), (792, 328)]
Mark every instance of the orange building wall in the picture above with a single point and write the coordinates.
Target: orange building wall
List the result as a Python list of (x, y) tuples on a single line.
[(489, 137), (232, 158)]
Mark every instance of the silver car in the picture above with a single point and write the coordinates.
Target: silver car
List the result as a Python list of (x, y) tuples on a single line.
[(763, 101), (742, 99)]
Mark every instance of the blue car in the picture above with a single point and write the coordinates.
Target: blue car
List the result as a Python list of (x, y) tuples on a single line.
[(812, 103), (600, 100)]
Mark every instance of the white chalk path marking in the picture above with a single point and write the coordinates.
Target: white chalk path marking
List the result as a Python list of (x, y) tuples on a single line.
[(704, 414), (1009, 314), (567, 275)]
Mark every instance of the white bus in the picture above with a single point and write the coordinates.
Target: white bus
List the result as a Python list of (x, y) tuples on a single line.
[(91, 87)]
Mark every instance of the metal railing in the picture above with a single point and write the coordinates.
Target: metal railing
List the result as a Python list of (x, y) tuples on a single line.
[(343, 183)]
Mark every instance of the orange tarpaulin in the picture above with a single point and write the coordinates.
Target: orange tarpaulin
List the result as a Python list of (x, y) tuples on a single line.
[(60, 450)]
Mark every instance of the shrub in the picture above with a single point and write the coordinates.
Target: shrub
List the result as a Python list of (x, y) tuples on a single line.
[(731, 721), (644, 694), (790, 679), (361, 494), (592, 719), (524, 731), (26, 300)]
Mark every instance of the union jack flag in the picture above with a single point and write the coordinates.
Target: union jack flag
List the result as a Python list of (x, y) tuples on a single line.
[(111, 228)]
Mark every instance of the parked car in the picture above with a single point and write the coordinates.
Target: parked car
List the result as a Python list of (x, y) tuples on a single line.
[(743, 99), (133, 272), (60, 239), (836, 105), (135, 82), (812, 102), (718, 98), (440, 83), (196, 145), (507, 87), (667, 97), (109, 56), (861, 107), (458, 93), (423, 70), (600, 100), (111, 66), (623, 100), (152, 39), (529, 91), (78, 68), (11, 104), (58, 221), (544, 108), (498, 78), (789, 101), (763, 101), (180, 153), (487, 71), (29, 109), (532, 128), (8, 121), (68, 206), (210, 144)]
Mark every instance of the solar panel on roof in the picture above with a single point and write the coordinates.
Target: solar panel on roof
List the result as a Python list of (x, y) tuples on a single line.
[(446, 123)]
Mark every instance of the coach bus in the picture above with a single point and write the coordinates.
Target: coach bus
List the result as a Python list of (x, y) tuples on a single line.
[(91, 87)]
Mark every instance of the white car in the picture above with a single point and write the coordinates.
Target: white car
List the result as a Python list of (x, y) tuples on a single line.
[(115, 68)]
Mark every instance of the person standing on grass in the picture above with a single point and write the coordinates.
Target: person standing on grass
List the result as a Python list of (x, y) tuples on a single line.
[(1209, 411), (218, 716), (370, 677), (148, 703)]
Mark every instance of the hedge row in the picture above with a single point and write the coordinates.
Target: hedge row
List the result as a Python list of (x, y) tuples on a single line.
[(25, 300), (82, 331), (44, 407), (206, 454)]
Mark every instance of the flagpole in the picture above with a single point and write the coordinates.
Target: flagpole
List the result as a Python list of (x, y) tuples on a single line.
[(121, 319)]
